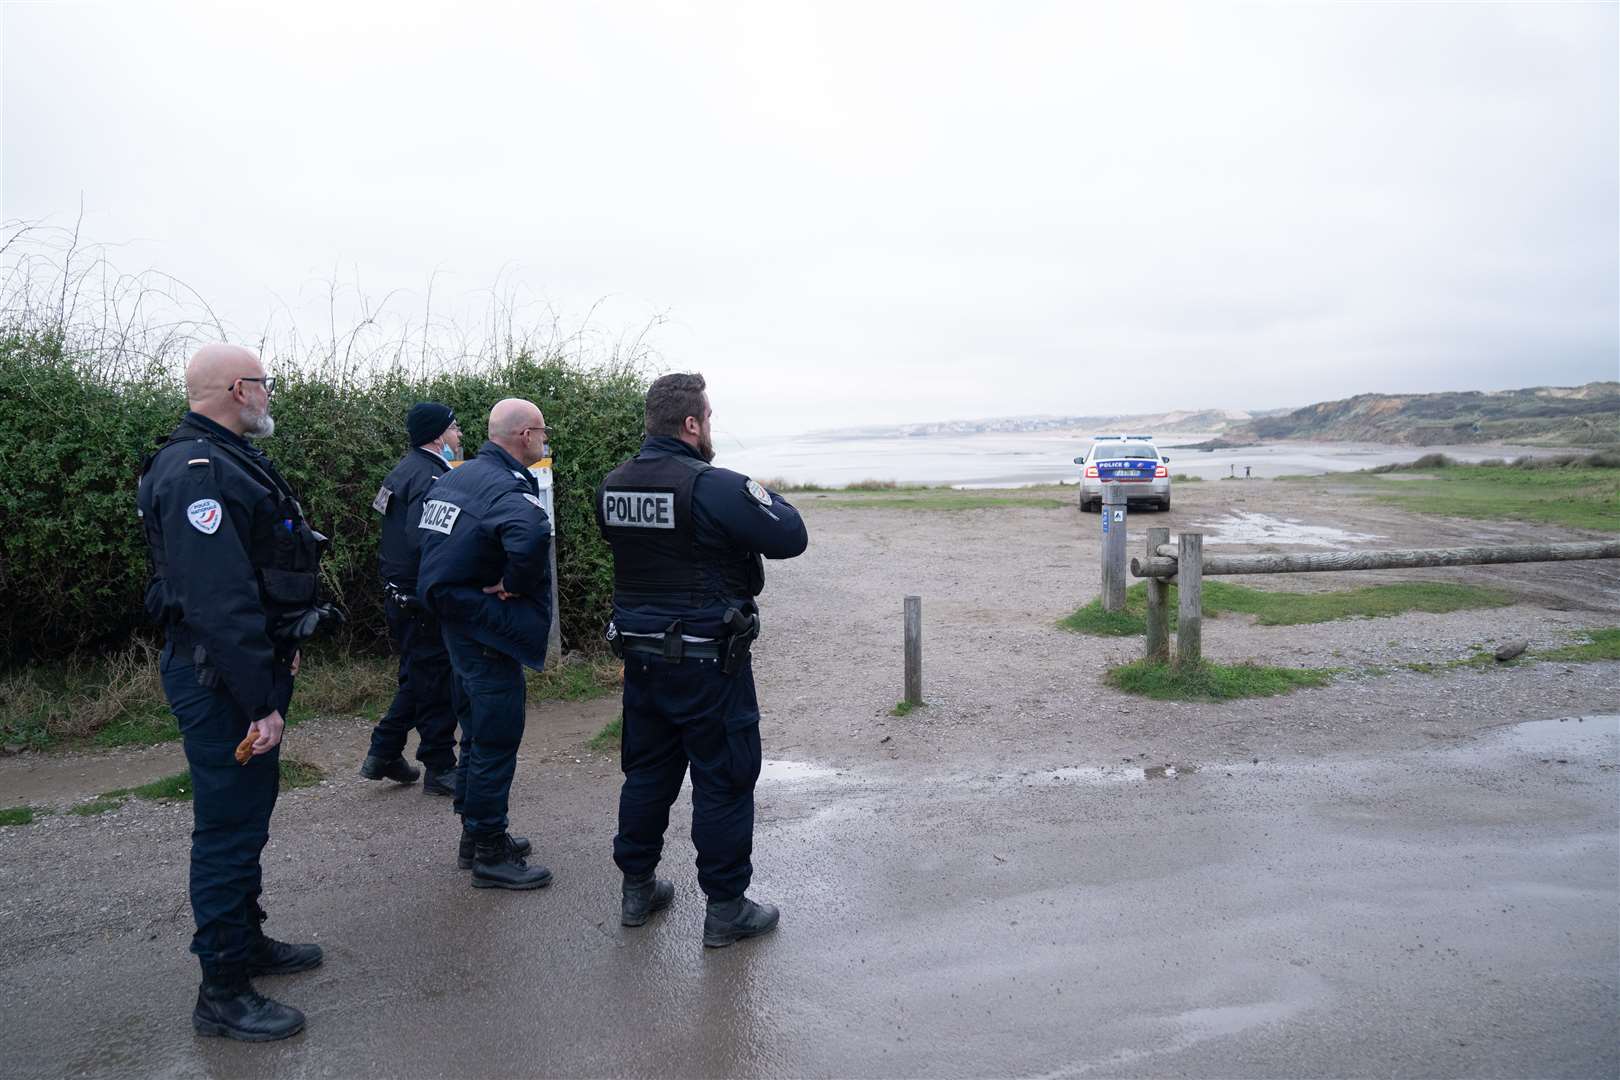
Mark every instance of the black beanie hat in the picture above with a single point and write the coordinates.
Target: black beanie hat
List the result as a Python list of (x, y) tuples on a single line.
[(427, 420)]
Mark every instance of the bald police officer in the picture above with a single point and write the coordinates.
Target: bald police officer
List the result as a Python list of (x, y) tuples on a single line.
[(687, 542), (235, 584), (486, 574), (423, 700)]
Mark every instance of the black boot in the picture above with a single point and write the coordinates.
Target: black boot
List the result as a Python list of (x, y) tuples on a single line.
[(642, 897), (497, 864), (729, 921), (229, 1006), (395, 768), (267, 956), (439, 782), (467, 849)]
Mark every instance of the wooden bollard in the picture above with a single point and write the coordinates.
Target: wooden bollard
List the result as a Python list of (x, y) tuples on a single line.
[(1190, 583), (1113, 548), (1158, 602), (913, 650)]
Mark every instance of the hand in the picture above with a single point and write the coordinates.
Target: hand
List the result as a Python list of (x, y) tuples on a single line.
[(499, 589), (267, 733), (298, 655)]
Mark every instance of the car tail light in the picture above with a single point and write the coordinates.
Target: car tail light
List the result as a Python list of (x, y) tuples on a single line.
[(1160, 473), (1091, 472)]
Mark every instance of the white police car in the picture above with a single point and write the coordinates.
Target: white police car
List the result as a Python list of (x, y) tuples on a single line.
[(1133, 462)]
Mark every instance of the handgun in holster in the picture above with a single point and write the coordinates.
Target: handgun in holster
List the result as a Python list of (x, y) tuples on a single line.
[(615, 640), (741, 630)]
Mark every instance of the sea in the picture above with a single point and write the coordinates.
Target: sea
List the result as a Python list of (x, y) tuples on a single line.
[(1022, 459)]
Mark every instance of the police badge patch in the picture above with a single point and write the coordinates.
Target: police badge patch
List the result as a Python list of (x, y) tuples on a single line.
[(204, 515), (380, 503), (757, 490)]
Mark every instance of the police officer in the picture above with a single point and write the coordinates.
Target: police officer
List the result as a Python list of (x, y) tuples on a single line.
[(687, 542), (234, 582), (423, 698), (486, 573)]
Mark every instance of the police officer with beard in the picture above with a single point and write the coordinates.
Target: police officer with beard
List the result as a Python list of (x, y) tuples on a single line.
[(486, 574), (423, 700), (687, 542), (235, 584)]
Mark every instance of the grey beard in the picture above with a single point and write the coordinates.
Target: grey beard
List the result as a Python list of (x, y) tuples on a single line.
[(259, 426)]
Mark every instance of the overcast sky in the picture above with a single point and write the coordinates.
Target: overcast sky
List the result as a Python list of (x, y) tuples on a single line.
[(873, 212)]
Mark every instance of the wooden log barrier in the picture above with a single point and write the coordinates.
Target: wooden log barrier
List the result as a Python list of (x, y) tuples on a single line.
[(1164, 562), (1190, 586), (914, 650), (1158, 602)]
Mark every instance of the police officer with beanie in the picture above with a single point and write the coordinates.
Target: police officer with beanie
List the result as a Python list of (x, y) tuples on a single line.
[(423, 698), (687, 542), (486, 574), (235, 584)]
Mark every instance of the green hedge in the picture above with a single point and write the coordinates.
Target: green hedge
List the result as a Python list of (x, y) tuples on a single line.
[(73, 568)]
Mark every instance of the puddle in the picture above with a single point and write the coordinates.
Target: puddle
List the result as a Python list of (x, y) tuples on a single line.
[(1565, 737), (1112, 774), (1242, 527), (788, 772)]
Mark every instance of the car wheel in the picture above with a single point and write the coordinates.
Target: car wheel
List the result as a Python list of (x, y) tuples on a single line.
[(1164, 507)]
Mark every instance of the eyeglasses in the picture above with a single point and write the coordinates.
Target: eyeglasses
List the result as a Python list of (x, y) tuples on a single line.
[(545, 432), (268, 380)]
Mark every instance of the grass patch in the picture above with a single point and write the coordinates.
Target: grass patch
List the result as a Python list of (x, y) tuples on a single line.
[(1290, 608), (101, 804), (299, 774), (1574, 494), (1211, 681), (609, 738), (45, 705), (17, 815), (176, 787), (1369, 602), (1601, 645), (906, 708), (1187, 478), (333, 684), (575, 679)]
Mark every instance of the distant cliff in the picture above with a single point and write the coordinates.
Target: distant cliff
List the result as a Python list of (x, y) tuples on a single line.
[(1543, 416)]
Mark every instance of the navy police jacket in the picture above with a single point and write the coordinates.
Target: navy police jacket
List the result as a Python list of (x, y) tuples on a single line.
[(399, 501), (232, 559), (481, 524), (687, 539)]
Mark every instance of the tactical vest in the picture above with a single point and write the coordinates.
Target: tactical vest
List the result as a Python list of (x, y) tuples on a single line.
[(644, 509), (286, 551)]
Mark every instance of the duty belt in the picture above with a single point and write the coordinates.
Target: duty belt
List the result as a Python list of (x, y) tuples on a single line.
[(688, 650)]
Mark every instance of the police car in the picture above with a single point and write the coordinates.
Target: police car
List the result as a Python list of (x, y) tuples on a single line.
[(1131, 461)]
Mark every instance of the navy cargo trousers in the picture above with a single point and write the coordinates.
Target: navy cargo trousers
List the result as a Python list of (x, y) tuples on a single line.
[(490, 702), (230, 806), (688, 714), (423, 700)]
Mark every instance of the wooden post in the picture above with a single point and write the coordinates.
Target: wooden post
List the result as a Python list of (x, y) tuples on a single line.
[(1190, 582), (1158, 602), (913, 650), (1113, 548)]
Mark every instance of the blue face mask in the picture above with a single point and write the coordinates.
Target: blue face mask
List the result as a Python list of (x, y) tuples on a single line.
[(448, 452)]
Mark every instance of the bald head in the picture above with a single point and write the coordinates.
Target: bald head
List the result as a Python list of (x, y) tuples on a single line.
[(518, 427), (224, 383)]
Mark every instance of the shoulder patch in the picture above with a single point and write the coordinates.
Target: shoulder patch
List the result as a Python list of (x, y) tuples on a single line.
[(380, 503), (440, 516), (205, 515), (538, 505), (757, 490)]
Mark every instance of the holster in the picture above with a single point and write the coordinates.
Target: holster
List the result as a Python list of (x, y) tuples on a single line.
[(739, 642), (615, 640)]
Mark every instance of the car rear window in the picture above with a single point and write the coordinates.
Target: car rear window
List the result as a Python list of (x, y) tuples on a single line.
[(1109, 451)]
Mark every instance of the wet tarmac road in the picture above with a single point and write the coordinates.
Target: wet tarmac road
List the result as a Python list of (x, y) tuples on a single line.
[(1445, 913)]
